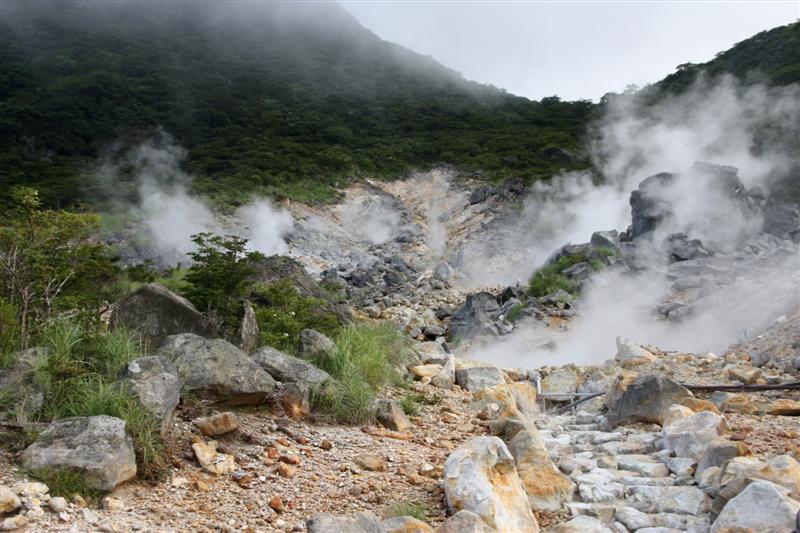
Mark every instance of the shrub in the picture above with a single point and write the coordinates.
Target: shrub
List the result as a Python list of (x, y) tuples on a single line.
[(366, 358), (549, 278), (282, 313), (410, 406), (9, 333)]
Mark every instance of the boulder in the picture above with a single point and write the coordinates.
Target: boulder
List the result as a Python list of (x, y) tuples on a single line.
[(561, 384), (681, 248), (782, 470), (217, 370), (781, 220), (516, 399), (480, 477), (314, 344), (669, 499), (288, 369), (9, 502), (546, 487), (155, 312), (218, 424), (581, 524), (354, 523), (691, 436), (645, 399), (248, 330), (717, 454), (405, 524), (648, 208), (211, 460), (762, 506), (391, 415), (475, 318), (447, 376), (96, 446), (631, 354), (784, 407), (464, 522), (154, 380), (605, 239), (476, 378)]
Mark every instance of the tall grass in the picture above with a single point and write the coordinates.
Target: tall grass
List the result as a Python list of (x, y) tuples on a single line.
[(366, 358), (78, 376)]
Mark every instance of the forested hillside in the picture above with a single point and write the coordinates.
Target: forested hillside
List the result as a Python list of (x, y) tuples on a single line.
[(275, 99), (265, 97)]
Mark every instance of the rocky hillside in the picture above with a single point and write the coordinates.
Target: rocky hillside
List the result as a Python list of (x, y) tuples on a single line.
[(367, 429)]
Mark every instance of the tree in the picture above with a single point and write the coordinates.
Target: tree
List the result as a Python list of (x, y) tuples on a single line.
[(48, 263), (219, 276)]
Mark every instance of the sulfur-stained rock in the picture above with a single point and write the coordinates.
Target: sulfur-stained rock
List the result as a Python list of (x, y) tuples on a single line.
[(391, 415), (480, 477), (211, 460), (8, 500), (631, 354), (784, 407), (514, 399), (561, 384), (217, 424), (405, 524)]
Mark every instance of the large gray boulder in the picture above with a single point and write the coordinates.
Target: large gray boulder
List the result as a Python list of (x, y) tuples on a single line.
[(691, 436), (289, 369), (314, 344), (155, 381), (154, 312), (217, 370), (480, 477), (98, 447), (474, 379), (355, 523), (475, 318), (762, 506), (646, 399)]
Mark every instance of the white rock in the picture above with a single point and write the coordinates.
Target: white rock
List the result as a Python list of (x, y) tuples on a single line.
[(9, 501), (678, 499), (581, 524), (630, 354), (632, 518), (690, 436), (762, 506)]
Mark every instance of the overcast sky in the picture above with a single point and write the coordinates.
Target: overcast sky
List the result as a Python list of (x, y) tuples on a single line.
[(571, 49)]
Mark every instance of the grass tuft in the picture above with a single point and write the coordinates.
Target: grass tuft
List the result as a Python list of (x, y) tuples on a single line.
[(367, 357), (415, 510), (64, 482), (410, 406)]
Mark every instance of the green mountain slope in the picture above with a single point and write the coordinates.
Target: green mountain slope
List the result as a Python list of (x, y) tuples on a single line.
[(771, 57), (269, 97)]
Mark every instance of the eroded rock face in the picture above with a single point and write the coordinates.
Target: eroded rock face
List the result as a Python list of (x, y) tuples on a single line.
[(217, 370), (762, 506), (155, 312), (96, 446), (480, 477), (646, 399), (155, 381)]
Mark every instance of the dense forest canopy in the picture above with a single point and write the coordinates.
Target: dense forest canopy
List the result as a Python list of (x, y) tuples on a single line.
[(270, 98)]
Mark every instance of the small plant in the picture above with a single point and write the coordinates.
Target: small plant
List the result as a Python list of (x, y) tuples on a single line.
[(514, 312), (64, 482), (414, 510), (366, 358), (282, 313), (410, 406)]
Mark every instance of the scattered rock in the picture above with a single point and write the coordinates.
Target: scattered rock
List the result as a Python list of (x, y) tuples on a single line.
[(14, 522), (217, 424), (631, 354), (217, 370), (155, 382), (354, 523), (784, 407), (447, 376), (289, 369), (480, 477), (476, 378), (581, 524), (561, 384), (96, 446), (211, 460), (405, 524), (9, 501), (475, 317), (391, 415), (370, 462), (155, 312), (57, 504)]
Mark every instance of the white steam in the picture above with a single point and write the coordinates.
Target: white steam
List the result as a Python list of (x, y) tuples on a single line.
[(721, 122), (170, 214)]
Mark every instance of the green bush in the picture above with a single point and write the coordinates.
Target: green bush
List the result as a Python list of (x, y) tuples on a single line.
[(9, 333), (410, 406), (367, 357), (415, 510), (64, 482), (282, 313)]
